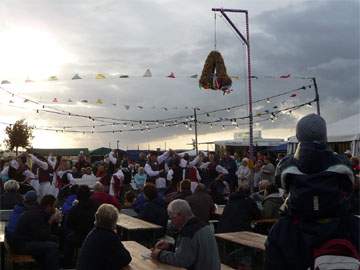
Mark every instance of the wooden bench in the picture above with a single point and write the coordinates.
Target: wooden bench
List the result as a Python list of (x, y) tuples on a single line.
[(16, 259)]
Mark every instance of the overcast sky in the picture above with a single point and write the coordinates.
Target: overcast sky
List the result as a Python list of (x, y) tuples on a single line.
[(39, 39)]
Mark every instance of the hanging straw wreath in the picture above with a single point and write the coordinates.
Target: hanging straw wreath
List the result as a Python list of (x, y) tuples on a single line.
[(214, 74)]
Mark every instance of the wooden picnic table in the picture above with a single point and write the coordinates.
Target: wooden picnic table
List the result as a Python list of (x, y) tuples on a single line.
[(244, 238), (133, 224), (139, 263)]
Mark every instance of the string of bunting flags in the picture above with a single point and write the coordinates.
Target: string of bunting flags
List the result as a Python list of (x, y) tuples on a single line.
[(273, 116), (111, 121), (147, 74)]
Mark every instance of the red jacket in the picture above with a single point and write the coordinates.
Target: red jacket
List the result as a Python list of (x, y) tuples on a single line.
[(102, 197)]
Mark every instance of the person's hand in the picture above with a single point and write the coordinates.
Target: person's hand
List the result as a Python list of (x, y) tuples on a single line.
[(155, 253), (162, 244)]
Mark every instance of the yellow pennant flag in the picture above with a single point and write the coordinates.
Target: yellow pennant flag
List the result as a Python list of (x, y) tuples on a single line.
[(99, 101), (100, 76), (53, 78)]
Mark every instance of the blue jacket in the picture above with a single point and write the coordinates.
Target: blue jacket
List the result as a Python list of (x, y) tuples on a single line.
[(14, 218)]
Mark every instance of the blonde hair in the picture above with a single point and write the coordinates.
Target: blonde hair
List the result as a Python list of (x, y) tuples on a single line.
[(11, 186), (106, 216)]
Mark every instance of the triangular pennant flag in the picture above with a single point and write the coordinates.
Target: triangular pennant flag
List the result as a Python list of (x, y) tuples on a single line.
[(172, 75), (124, 76), (76, 77), (194, 76), (114, 104), (55, 100), (53, 78), (70, 100), (127, 107), (100, 76), (254, 77), (99, 101), (293, 95), (147, 73), (10, 101), (5, 82), (165, 109), (285, 76), (28, 80), (235, 77), (84, 101), (140, 107), (26, 100)]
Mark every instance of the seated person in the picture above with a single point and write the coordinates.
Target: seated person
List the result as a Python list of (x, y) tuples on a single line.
[(219, 190), (10, 197), (259, 196), (79, 223), (70, 199), (102, 248), (128, 209), (183, 192), (140, 178), (154, 209), (29, 201), (99, 196), (272, 202), (239, 212), (195, 247), (201, 203), (33, 233)]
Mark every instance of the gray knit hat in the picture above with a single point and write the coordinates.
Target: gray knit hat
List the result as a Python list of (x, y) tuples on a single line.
[(311, 128)]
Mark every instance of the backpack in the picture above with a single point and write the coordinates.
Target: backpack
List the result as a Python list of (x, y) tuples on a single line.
[(336, 254)]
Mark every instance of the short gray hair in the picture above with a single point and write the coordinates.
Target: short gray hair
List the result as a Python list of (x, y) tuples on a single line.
[(179, 206), (106, 216), (11, 186)]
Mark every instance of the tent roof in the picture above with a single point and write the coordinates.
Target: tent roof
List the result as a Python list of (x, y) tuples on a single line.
[(257, 142), (102, 151)]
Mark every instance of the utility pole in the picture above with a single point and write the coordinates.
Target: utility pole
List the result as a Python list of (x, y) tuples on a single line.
[(246, 41), (117, 144), (196, 133), (317, 97)]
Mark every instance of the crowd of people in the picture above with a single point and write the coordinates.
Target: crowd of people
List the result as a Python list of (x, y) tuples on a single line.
[(65, 212)]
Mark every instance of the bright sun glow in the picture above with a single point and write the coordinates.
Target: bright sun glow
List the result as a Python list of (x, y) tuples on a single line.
[(30, 53)]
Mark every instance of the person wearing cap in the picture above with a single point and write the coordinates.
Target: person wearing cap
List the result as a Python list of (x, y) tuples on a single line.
[(102, 248), (33, 233), (319, 183)]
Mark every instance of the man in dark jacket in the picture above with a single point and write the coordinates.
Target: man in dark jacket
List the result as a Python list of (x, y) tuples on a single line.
[(195, 248), (102, 248), (10, 197), (33, 233), (239, 212), (79, 223), (201, 203), (229, 163), (319, 183)]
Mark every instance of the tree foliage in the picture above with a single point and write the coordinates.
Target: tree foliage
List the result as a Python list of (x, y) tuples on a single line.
[(19, 135)]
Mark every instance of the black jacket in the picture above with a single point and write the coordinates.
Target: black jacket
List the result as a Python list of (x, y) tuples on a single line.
[(8, 200), (102, 249), (80, 220), (33, 226), (155, 212), (238, 213), (290, 242)]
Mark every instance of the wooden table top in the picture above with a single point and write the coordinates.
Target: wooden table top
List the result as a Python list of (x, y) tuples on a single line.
[(131, 223), (139, 263), (249, 239), (2, 231)]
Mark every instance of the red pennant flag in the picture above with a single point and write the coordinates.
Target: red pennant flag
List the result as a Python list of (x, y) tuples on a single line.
[(172, 75), (285, 76), (55, 100)]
